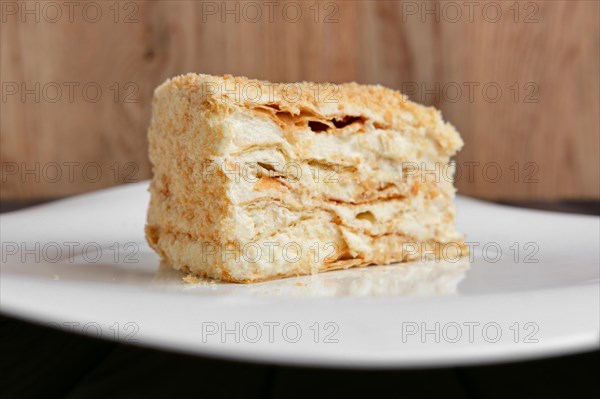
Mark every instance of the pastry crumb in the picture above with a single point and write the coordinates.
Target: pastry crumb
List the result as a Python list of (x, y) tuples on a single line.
[(195, 280)]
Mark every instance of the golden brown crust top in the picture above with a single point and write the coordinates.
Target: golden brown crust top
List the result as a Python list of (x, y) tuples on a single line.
[(383, 105)]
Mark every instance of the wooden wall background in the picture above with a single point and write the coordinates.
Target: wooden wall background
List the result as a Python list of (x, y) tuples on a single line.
[(548, 130)]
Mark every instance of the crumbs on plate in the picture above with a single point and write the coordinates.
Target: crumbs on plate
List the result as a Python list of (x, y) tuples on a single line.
[(199, 281)]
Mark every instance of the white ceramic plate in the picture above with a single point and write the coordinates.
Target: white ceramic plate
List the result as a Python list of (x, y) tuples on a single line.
[(531, 290)]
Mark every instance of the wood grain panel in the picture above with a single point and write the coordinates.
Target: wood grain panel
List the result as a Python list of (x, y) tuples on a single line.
[(542, 133)]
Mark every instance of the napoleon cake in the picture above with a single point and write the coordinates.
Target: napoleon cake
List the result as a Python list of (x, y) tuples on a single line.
[(256, 180)]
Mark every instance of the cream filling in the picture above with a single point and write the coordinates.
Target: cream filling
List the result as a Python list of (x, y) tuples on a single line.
[(353, 181)]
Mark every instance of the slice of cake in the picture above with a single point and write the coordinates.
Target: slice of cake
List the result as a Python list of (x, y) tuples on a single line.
[(256, 180)]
